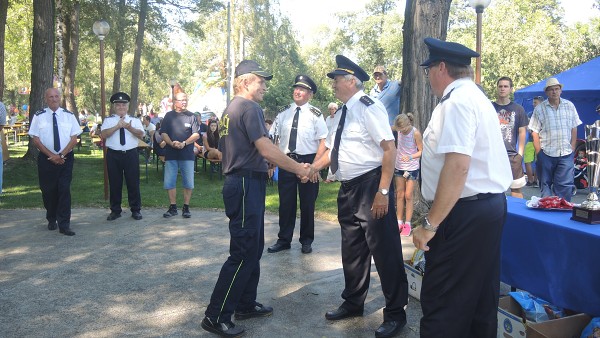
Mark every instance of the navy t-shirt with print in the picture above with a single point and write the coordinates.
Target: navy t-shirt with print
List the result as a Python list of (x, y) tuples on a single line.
[(242, 124), (179, 127)]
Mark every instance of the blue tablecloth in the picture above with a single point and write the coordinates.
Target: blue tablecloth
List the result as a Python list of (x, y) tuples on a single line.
[(552, 257)]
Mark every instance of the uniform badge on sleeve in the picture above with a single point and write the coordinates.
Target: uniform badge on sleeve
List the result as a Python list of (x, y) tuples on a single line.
[(367, 101)]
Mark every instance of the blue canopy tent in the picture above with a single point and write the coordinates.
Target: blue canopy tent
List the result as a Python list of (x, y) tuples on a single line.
[(581, 86)]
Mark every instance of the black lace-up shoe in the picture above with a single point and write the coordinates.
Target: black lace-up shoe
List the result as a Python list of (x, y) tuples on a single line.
[(259, 310), (227, 329)]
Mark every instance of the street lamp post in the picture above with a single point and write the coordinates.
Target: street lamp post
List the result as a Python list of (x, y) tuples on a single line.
[(101, 29), (228, 63), (479, 6)]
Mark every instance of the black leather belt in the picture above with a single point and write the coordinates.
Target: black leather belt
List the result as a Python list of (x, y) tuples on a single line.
[(296, 157), (248, 174), (361, 178), (477, 197), (121, 151)]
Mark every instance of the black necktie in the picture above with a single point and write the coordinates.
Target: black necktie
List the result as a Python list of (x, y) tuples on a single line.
[(122, 136), (336, 142), (294, 131), (56, 136)]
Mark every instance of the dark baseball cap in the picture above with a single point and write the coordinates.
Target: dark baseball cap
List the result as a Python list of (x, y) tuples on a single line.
[(251, 67)]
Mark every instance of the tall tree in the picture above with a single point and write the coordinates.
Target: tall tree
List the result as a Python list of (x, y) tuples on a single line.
[(139, 44), (120, 25), (68, 50), (3, 13), (42, 57), (422, 19)]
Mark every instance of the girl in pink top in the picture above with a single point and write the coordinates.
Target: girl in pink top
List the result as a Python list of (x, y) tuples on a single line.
[(409, 148)]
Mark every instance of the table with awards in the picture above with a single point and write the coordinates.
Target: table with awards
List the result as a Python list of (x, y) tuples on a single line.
[(551, 256)]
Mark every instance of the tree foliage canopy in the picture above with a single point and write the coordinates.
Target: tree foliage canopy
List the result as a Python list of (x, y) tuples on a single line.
[(186, 40)]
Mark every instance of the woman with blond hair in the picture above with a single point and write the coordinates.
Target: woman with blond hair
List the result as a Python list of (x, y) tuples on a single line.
[(406, 173)]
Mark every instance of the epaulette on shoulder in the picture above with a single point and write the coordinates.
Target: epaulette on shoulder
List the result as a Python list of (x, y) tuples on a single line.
[(40, 112), (284, 108), (367, 101), (316, 111), (66, 111), (112, 115)]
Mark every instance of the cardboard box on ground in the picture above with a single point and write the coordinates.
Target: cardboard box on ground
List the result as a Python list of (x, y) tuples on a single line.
[(512, 323)]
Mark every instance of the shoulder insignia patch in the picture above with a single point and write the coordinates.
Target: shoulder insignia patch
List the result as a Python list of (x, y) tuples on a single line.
[(284, 108), (40, 112), (367, 101), (447, 96), (316, 111)]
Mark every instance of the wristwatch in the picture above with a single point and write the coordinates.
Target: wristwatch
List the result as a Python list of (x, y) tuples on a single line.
[(184, 144), (384, 191), (61, 155), (427, 226)]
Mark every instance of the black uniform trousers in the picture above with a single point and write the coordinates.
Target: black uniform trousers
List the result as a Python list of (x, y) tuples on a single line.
[(459, 296), (55, 184), (124, 163), (244, 199), (364, 236), (289, 186)]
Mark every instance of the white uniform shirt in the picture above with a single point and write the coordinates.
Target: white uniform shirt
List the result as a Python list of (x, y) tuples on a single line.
[(360, 146), (114, 141), (329, 122), (42, 126), (465, 122), (311, 129)]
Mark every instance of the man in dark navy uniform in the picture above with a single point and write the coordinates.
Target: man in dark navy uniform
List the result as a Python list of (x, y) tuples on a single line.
[(122, 133), (465, 174), (362, 154), (245, 145), (301, 131), (54, 132)]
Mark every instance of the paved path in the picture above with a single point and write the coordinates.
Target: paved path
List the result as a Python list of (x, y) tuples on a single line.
[(154, 277)]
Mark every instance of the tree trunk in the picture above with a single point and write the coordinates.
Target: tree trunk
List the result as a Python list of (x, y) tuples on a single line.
[(72, 43), (42, 58), (139, 44), (422, 18), (3, 12), (61, 44), (119, 46)]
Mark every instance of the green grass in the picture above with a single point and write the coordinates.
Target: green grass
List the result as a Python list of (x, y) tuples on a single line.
[(21, 189)]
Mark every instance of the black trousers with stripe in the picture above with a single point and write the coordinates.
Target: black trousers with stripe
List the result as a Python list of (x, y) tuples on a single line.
[(244, 198)]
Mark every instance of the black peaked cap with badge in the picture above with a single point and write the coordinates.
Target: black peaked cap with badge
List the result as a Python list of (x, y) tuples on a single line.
[(305, 82), (120, 97), (345, 66), (251, 67), (451, 52)]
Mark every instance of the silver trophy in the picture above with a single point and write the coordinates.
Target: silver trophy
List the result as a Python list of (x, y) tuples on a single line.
[(592, 147)]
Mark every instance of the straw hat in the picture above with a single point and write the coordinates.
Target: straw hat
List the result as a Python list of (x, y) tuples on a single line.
[(552, 82)]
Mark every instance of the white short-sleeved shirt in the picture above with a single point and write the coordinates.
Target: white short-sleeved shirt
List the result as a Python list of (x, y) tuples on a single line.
[(311, 129), (465, 122), (42, 127), (114, 140), (365, 127)]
